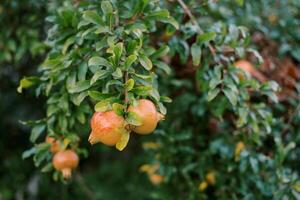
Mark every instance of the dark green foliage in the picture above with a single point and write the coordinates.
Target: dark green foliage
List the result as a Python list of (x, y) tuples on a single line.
[(87, 56)]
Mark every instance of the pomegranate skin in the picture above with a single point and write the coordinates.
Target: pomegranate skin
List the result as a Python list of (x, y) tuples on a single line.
[(65, 161), (146, 110), (107, 128), (55, 146)]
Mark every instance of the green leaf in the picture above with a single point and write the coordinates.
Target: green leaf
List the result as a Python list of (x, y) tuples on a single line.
[(171, 21), (36, 132), (118, 108), (162, 51), (78, 98), (92, 17), (47, 168), (196, 54), (129, 61), (27, 82), (117, 74), (98, 96), (79, 86), (100, 74), (118, 49), (133, 119), (240, 2), (142, 90), (231, 96), (28, 153), (106, 7), (129, 84), (212, 94), (122, 143), (145, 62), (102, 106), (206, 37), (98, 61), (68, 43), (165, 99), (158, 14), (163, 66), (82, 70)]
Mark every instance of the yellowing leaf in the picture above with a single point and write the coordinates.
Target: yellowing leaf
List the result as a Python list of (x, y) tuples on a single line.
[(123, 141), (202, 186)]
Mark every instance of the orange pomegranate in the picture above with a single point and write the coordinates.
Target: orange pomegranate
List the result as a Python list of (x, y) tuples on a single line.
[(55, 144), (146, 110), (248, 67), (156, 179), (65, 161), (107, 128)]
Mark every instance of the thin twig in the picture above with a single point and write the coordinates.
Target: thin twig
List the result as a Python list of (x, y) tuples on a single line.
[(194, 21)]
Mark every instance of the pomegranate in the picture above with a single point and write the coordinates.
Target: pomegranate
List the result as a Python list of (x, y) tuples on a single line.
[(65, 161), (146, 110), (107, 128)]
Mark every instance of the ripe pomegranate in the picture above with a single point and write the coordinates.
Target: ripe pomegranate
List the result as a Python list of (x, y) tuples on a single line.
[(107, 127), (146, 110), (55, 144), (65, 161), (156, 179), (248, 67)]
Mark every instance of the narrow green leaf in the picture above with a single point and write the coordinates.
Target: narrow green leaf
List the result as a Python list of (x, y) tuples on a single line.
[(162, 51), (98, 61), (118, 49), (145, 62), (165, 99), (170, 20), (231, 96), (78, 98), (129, 84), (117, 74), (79, 86), (142, 90), (68, 43), (100, 74), (106, 7), (36, 132), (92, 17), (196, 54), (212, 94), (163, 66), (129, 61), (206, 37), (28, 153), (98, 96)]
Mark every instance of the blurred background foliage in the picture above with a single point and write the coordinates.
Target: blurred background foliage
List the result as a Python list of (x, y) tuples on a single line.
[(199, 151)]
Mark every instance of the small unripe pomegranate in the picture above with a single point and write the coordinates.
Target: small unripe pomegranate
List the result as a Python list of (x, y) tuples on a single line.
[(107, 128), (55, 145), (146, 110), (65, 161)]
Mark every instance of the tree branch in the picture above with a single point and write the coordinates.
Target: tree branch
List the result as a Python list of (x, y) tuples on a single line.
[(194, 21)]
